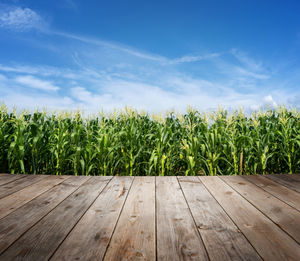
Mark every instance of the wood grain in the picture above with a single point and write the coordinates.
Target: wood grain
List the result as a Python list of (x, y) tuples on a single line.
[(177, 234), (279, 212), (90, 237), (283, 193), (286, 180), (40, 242), (149, 218), (6, 178), (18, 199), (11, 227), (18, 184), (267, 238), (134, 236), (222, 238)]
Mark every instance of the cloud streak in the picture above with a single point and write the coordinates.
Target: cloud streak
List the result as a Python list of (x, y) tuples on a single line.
[(194, 58), (92, 89), (96, 73), (35, 83), (115, 46), (138, 53)]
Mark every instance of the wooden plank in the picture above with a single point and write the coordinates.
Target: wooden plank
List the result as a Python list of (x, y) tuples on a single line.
[(134, 236), (177, 234), (295, 177), (286, 180), (18, 199), (19, 221), (6, 178), (90, 237), (268, 239), (40, 242), (221, 237), (283, 193), (286, 217), (18, 184)]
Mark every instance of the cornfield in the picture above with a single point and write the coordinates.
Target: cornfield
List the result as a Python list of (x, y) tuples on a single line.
[(132, 143)]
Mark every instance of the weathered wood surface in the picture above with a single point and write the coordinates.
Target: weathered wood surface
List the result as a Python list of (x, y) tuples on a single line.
[(269, 240), (283, 193), (40, 242), (214, 225), (280, 213), (134, 236), (149, 218), (18, 184), (95, 228), (177, 234), (287, 180), (14, 201), (7, 178), (10, 226)]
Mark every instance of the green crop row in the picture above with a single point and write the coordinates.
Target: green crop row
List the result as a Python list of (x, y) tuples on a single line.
[(131, 143)]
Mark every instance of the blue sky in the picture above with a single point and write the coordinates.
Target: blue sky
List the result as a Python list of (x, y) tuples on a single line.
[(152, 55)]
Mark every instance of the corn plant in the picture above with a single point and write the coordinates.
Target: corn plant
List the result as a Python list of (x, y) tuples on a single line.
[(130, 143)]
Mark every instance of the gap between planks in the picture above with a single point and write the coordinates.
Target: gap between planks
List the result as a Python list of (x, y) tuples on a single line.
[(40, 242), (283, 215), (214, 224), (267, 238), (116, 232)]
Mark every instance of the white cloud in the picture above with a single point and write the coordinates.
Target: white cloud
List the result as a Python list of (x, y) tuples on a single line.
[(82, 94), (2, 78), (31, 102), (112, 75), (21, 19), (249, 62), (259, 76), (109, 75), (193, 58), (138, 53), (115, 46), (40, 70), (117, 94), (19, 69), (269, 101), (36, 83)]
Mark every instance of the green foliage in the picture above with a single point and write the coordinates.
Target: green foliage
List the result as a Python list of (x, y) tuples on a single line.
[(131, 143)]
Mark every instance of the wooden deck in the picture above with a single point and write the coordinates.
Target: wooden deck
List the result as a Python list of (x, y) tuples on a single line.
[(149, 218)]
